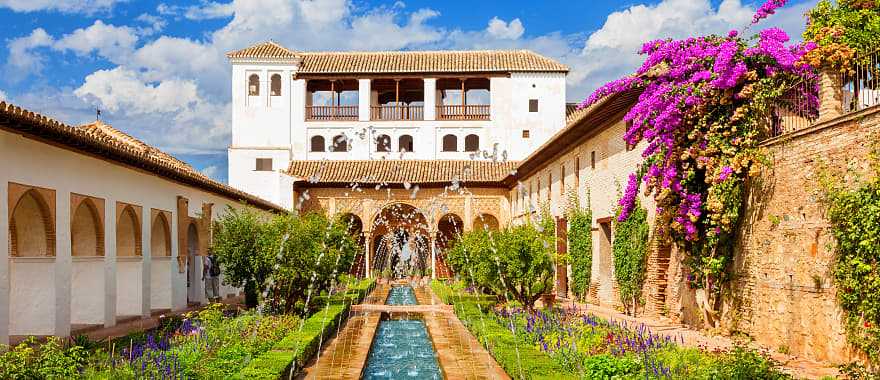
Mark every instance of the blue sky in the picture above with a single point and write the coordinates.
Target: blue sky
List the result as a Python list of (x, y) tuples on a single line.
[(157, 70)]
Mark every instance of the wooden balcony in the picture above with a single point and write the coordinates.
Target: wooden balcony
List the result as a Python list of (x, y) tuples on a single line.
[(331, 113), (397, 112), (463, 112)]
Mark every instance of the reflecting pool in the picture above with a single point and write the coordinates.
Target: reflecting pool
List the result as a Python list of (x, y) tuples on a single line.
[(401, 295), (402, 349)]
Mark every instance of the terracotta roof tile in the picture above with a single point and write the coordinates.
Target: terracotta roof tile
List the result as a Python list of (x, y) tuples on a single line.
[(427, 62), (448, 61), (102, 140), (401, 171), (268, 49)]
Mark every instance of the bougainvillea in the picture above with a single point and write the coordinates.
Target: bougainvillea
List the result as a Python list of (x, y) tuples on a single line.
[(843, 31), (705, 103)]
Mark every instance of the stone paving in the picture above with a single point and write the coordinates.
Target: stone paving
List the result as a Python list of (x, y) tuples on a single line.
[(459, 353)]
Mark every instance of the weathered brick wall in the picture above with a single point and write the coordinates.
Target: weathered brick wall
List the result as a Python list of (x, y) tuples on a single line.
[(783, 292)]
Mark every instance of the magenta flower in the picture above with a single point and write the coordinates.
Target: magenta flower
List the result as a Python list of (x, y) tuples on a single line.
[(768, 8)]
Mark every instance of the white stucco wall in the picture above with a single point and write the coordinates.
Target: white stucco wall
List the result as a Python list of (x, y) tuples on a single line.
[(36, 294), (160, 282), (87, 297)]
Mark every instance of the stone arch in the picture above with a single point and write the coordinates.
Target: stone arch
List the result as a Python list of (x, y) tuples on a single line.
[(31, 226), (340, 144), (87, 230), (405, 143), (486, 221), (160, 236), (449, 228), (398, 224), (128, 233)]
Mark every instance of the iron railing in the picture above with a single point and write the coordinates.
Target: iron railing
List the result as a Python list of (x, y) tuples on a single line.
[(861, 85), (797, 110)]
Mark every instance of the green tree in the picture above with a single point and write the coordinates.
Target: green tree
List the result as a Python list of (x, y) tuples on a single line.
[(516, 262), (239, 248), (313, 252), (630, 249)]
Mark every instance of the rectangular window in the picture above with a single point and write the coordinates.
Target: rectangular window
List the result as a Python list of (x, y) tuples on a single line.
[(593, 159), (525, 133), (533, 105), (264, 164)]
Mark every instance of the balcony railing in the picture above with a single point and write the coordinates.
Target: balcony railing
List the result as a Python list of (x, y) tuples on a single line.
[(463, 112), (330, 113), (861, 85), (397, 112)]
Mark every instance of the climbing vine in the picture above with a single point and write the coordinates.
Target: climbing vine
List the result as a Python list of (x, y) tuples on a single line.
[(630, 248), (580, 245), (704, 106), (854, 213), (842, 30)]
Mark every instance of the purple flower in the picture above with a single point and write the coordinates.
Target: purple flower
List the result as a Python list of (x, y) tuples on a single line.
[(768, 8), (726, 171)]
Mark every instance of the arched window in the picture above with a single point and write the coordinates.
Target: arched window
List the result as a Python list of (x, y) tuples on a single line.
[(340, 144), (160, 237), (31, 227), (471, 143), (128, 234), (405, 143), (318, 144), (87, 233), (254, 85), (450, 143), (383, 143), (275, 85)]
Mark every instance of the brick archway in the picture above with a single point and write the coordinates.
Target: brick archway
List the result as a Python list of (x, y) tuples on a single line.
[(31, 223)]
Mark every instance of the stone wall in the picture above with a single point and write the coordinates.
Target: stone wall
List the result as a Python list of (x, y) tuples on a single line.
[(783, 292)]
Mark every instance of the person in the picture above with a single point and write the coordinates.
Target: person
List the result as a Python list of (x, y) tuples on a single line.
[(211, 276)]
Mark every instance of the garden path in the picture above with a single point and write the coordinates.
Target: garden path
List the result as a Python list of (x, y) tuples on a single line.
[(796, 366)]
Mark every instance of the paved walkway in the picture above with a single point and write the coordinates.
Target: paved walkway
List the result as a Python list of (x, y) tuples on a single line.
[(798, 367), (459, 353)]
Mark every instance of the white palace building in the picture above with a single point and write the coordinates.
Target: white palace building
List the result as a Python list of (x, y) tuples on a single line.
[(400, 105)]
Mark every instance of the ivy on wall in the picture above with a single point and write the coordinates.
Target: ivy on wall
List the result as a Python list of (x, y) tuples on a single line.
[(630, 248), (854, 213), (580, 245)]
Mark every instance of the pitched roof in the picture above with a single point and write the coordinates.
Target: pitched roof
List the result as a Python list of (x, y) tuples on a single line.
[(401, 171), (444, 61), (268, 49), (427, 62), (104, 141)]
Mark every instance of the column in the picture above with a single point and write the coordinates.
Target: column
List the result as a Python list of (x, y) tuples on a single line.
[(364, 99), (830, 94), (147, 261), (63, 262), (4, 264), (369, 251), (109, 262), (430, 94)]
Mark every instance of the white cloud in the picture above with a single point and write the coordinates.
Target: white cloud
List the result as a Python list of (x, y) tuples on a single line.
[(66, 6), (211, 171), (112, 42), (207, 10), (123, 89), (2, 96), (155, 24), (500, 29), (22, 60)]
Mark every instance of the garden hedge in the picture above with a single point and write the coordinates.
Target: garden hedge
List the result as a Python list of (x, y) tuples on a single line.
[(519, 358), (301, 346)]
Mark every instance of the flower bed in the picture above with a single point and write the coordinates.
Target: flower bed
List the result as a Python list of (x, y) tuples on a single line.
[(518, 357), (596, 348)]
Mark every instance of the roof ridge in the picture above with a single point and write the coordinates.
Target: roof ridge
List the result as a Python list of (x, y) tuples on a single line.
[(329, 52)]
